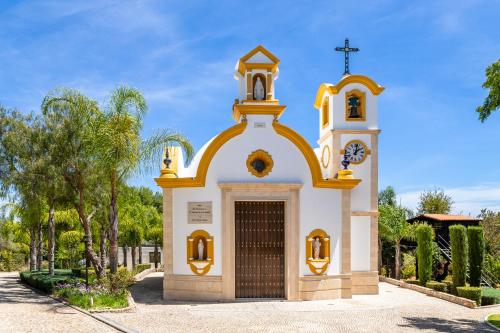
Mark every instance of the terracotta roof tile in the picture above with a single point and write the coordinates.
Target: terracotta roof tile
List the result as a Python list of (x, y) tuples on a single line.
[(445, 217)]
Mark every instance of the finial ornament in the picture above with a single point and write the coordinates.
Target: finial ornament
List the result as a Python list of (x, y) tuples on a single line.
[(345, 173), (346, 49), (345, 162), (167, 159)]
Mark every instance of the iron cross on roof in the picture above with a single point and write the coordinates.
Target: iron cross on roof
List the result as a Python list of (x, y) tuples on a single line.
[(346, 49)]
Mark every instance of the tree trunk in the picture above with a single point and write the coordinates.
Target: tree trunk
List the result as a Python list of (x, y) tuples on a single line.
[(90, 253), (156, 255), (140, 254), (39, 250), (52, 234), (102, 245), (125, 260), (113, 226), (132, 251), (379, 253), (32, 248), (397, 264)]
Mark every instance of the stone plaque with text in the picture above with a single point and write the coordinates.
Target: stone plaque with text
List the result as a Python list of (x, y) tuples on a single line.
[(200, 212)]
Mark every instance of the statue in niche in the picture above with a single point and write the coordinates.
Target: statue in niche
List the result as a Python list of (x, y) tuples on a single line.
[(316, 246), (258, 90), (201, 247)]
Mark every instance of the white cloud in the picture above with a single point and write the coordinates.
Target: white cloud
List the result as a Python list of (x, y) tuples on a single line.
[(468, 200)]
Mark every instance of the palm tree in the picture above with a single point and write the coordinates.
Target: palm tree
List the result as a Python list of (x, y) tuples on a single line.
[(394, 227), (121, 150), (71, 120)]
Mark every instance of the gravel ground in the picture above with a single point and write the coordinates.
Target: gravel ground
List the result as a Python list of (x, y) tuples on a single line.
[(393, 310), (23, 310)]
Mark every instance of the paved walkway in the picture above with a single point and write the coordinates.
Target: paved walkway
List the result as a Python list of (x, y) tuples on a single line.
[(394, 310), (23, 310)]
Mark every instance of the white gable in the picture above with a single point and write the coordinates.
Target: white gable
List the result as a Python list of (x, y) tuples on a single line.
[(259, 58)]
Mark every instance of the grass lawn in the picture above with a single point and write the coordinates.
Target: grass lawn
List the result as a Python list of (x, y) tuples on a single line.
[(102, 301), (494, 319)]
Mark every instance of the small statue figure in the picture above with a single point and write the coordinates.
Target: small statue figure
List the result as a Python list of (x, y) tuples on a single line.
[(316, 246), (258, 90), (201, 247)]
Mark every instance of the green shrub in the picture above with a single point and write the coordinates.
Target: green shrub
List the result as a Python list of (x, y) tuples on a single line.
[(79, 296), (437, 286), (476, 254), (140, 268), (488, 300), (458, 239), (119, 282), (10, 260), (41, 279), (417, 282), (424, 253), (473, 293), (383, 271), (408, 269), (492, 292)]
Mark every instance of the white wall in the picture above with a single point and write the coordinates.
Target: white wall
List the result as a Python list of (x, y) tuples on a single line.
[(360, 243), (319, 208)]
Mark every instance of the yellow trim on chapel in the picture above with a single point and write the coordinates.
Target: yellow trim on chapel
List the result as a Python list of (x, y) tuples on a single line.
[(312, 160), (243, 66), (201, 173), (294, 137), (374, 87), (259, 109)]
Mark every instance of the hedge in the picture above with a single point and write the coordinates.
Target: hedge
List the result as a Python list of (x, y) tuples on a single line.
[(417, 282), (476, 254), (472, 293), (41, 279), (458, 240), (141, 267), (488, 300), (437, 286), (449, 287), (424, 253)]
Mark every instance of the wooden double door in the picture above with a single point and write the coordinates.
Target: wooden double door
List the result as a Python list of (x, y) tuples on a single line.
[(260, 249)]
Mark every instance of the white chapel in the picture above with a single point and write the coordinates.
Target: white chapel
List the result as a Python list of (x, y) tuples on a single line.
[(260, 213)]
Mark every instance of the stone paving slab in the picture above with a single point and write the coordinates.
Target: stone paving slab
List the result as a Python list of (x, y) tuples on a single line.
[(23, 310), (393, 310)]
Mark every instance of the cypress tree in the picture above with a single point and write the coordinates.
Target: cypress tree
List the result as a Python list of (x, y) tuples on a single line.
[(476, 255), (424, 253), (458, 240)]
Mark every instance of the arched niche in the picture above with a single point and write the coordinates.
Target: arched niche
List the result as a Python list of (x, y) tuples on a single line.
[(355, 105), (200, 265), (318, 265), (263, 80)]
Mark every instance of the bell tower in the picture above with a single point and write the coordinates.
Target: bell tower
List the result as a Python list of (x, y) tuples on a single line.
[(256, 72)]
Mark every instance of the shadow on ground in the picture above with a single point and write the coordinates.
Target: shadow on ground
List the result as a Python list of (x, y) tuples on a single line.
[(11, 291), (447, 325)]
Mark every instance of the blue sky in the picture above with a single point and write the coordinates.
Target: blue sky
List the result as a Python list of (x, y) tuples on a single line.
[(430, 56)]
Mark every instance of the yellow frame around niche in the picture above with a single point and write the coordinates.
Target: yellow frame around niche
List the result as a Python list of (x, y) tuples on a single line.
[(362, 98), (200, 267), (318, 266), (325, 113), (368, 151)]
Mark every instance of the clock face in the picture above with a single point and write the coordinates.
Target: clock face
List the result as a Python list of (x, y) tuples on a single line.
[(356, 152)]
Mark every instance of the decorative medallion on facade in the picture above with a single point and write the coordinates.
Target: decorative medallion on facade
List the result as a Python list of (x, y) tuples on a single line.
[(318, 251), (260, 163), (325, 156), (200, 252)]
